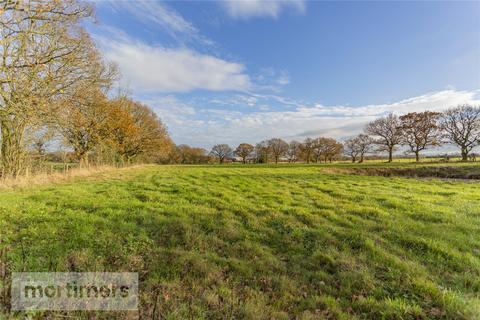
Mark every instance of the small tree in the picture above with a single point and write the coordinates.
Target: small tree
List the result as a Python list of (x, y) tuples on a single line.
[(244, 150), (351, 148), (278, 148), (461, 126), (387, 132), (221, 151), (365, 143), (420, 130), (293, 151), (358, 146), (307, 149), (262, 151), (326, 148), (189, 155), (333, 149), (318, 148)]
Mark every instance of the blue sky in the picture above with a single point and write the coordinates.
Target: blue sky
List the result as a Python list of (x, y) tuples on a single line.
[(245, 71)]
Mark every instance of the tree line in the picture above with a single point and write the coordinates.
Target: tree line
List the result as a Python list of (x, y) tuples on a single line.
[(415, 131), (56, 87)]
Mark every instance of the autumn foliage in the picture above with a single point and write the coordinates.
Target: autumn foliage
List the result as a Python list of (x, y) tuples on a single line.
[(52, 78)]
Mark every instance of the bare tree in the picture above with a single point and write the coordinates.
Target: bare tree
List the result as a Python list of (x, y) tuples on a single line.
[(44, 52), (319, 148), (307, 149), (461, 126), (365, 143), (358, 147), (51, 75), (420, 130), (244, 150), (387, 133), (278, 147), (262, 152), (221, 151), (293, 152), (351, 148)]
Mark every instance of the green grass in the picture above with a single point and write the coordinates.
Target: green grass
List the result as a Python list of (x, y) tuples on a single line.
[(458, 170), (258, 242)]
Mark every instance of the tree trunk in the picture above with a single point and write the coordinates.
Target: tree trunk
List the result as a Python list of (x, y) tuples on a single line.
[(464, 154), (84, 160), (244, 161), (361, 159), (276, 160), (417, 156), (11, 149), (390, 154), (10, 158)]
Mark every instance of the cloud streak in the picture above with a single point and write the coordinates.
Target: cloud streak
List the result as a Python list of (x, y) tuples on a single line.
[(158, 15), (207, 127), (245, 9)]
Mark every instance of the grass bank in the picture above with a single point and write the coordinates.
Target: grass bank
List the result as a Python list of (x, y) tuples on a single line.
[(465, 171)]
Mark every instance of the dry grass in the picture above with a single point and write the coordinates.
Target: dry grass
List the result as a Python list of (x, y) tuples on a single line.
[(55, 177)]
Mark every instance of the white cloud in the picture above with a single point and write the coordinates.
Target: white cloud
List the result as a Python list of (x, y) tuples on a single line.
[(155, 68), (283, 78), (148, 67), (233, 127), (236, 101), (156, 14), (177, 115), (170, 107), (244, 9), (271, 80), (437, 101)]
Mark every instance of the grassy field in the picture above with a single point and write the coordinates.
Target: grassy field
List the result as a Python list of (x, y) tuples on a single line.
[(257, 242), (464, 171)]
